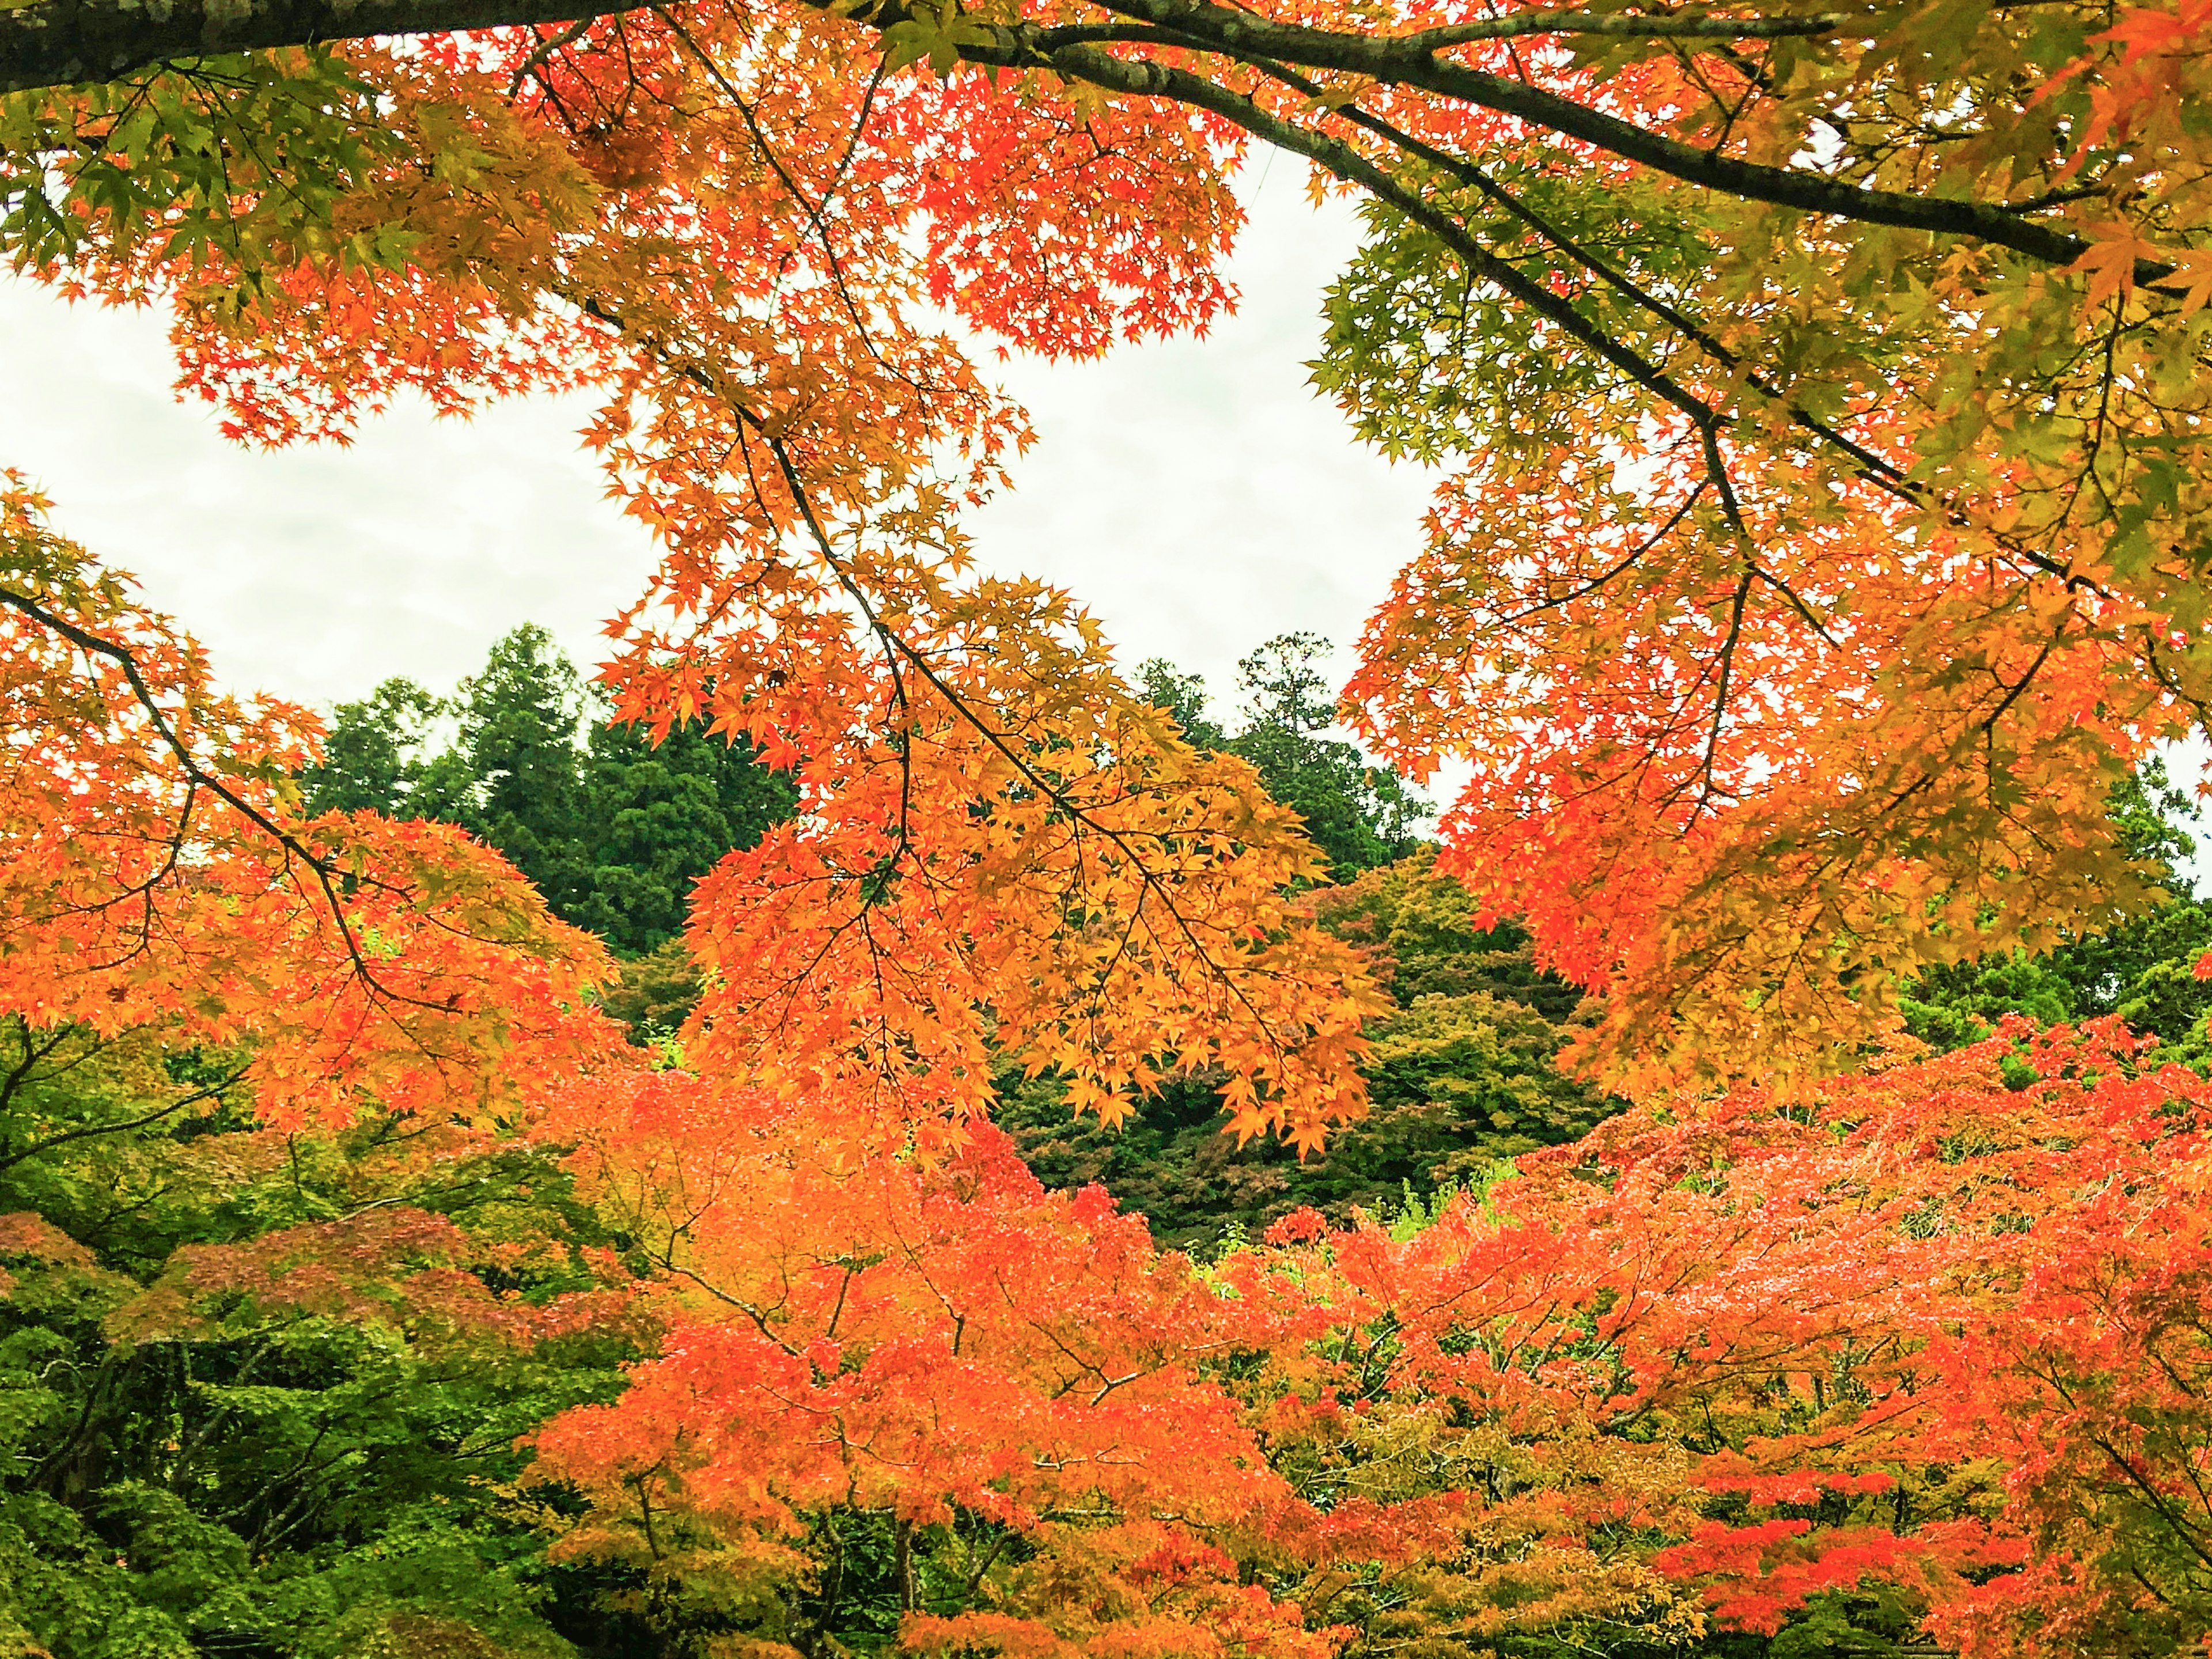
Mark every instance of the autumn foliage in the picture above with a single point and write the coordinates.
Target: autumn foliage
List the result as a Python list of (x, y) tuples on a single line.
[(158, 873), (1932, 1339), (1924, 1348), (1921, 1350), (1818, 547), (1816, 393)]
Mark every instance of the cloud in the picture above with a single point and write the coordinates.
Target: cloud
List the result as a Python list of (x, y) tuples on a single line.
[(313, 573), (1196, 494)]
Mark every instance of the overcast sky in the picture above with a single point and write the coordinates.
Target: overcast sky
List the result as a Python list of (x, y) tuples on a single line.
[(1197, 495)]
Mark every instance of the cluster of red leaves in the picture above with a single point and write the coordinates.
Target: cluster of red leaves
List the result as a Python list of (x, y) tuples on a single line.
[(1933, 1335)]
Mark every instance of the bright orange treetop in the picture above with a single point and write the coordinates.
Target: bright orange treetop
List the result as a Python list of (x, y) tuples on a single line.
[(1929, 1340)]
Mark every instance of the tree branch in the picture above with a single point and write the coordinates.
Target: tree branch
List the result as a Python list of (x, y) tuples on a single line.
[(56, 43), (68, 42), (1411, 61)]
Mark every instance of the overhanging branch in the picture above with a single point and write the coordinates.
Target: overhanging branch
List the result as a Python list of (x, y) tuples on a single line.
[(53, 43), (58, 43)]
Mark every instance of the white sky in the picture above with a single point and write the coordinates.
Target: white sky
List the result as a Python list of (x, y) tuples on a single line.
[(1196, 494)]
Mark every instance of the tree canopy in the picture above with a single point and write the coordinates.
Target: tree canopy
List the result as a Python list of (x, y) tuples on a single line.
[(1816, 392), (610, 827), (1817, 557)]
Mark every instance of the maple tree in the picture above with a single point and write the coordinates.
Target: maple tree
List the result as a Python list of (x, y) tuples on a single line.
[(282, 1294), (1817, 393), (274, 1294), (1743, 1371), (1816, 388), (505, 1335), (158, 870)]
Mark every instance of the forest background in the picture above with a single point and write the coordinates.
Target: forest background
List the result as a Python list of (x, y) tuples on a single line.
[(1091, 1177), (613, 829)]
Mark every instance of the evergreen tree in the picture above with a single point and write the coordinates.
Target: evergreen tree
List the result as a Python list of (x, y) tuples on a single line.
[(373, 758), (1183, 696), (1361, 816), (661, 816), (611, 828), (517, 776)]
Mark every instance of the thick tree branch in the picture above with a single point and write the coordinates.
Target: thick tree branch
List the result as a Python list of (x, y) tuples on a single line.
[(1628, 26), (56, 43), (1155, 79), (64, 42), (1413, 61), (72, 42)]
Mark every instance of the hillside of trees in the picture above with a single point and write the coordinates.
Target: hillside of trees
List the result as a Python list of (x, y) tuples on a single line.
[(613, 831), (367, 1384), (476, 1185), (611, 828)]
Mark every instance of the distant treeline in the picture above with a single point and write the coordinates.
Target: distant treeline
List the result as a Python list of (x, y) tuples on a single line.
[(614, 830)]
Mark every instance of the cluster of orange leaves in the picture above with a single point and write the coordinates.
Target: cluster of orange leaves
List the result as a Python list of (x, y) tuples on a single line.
[(158, 870), (1924, 1332), (1928, 1336), (1757, 724)]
